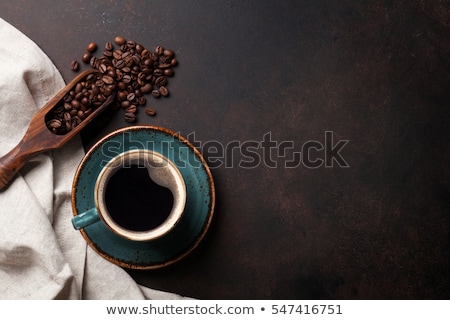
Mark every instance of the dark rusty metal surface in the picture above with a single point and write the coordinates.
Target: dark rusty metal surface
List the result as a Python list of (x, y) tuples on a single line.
[(375, 73)]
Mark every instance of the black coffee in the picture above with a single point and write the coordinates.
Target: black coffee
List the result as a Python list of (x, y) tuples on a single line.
[(135, 201)]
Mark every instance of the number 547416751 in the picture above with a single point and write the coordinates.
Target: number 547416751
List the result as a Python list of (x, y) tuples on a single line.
[(306, 309)]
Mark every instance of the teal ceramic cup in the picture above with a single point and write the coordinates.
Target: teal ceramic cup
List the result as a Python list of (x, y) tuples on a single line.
[(97, 173), (160, 182)]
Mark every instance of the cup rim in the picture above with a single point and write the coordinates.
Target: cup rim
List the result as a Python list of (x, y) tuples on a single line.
[(148, 235)]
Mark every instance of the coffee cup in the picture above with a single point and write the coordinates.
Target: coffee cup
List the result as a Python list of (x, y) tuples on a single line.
[(140, 195)]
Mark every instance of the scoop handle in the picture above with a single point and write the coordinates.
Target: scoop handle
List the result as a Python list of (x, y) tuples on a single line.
[(12, 162)]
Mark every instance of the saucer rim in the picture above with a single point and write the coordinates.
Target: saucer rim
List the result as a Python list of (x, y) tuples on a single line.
[(208, 220)]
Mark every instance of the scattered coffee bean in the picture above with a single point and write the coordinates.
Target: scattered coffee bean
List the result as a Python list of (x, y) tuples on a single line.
[(119, 40), (159, 50), (91, 47), (130, 117), (142, 101), (86, 57), (169, 54), (150, 111), (164, 91), (75, 65), (169, 72)]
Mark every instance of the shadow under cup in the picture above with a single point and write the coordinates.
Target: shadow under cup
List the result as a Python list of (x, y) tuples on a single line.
[(140, 195)]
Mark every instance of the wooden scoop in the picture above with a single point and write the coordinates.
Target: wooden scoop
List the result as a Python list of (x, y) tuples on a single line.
[(38, 138)]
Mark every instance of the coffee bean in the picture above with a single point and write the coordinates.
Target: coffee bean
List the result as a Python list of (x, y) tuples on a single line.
[(86, 57), (161, 81), (136, 59), (139, 48), (130, 117), (68, 125), (102, 97), (119, 40), (164, 66), (75, 121), (131, 96), (125, 55), (126, 78), (165, 59), (75, 104), (125, 104), (54, 123), (91, 47), (94, 62), (131, 109), (169, 54), (74, 65), (112, 72), (108, 46), (117, 54), (85, 101), (142, 101), (122, 85), (131, 44), (156, 93), (108, 79), (150, 111), (157, 72), (80, 115), (122, 95), (159, 50), (169, 72), (148, 62), (102, 68), (146, 88), (119, 64), (164, 91)]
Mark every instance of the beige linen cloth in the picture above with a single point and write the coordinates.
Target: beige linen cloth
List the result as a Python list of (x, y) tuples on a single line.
[(41, 255)]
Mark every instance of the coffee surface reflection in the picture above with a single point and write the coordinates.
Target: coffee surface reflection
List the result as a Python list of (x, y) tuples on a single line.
[(136, 202)]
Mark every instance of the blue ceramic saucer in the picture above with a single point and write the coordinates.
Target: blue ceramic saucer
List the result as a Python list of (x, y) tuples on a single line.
[(199, 202)]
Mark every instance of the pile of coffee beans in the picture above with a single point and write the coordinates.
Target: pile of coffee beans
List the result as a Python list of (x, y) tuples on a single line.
[(134, 70), (79, 103), (127, 70)]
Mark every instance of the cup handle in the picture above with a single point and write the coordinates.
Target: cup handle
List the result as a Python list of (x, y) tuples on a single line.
[(85, 219)]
